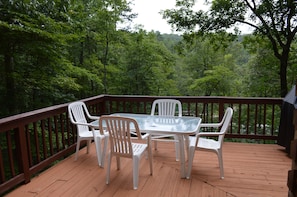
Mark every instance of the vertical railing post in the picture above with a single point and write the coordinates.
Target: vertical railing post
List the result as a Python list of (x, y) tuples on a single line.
[(102, 107), (24, 153), (221, 109)]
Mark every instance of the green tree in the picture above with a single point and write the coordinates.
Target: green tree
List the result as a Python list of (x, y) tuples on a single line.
[(261, 73), (32, 36), (272, 19), (148, 68), (203, 59), (220, 80), (96, 30)]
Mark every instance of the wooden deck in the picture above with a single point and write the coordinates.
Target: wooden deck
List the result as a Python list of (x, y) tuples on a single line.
[(256, 170)]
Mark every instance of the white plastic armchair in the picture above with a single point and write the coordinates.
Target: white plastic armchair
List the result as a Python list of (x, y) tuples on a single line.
[(167, 108), (79, 115), (121, 145), (214, 144)]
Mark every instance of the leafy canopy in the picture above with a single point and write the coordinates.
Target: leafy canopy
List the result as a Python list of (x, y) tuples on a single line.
[(275, 20)]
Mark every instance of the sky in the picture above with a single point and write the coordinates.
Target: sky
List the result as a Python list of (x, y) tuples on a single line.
[(149, 17), (148, 14)]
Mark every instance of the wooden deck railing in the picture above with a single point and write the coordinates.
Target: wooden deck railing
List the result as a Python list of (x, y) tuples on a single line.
[(33, 141)]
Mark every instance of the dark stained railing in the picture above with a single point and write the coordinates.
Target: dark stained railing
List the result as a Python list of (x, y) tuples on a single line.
[(33, 141)]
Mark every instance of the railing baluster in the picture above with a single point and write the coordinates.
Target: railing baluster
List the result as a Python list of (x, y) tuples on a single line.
[(264, 119), (256, 120), (28, 138), (36, 142), (44, 152), (56, 134), (10, 153), (62, 130), (50, 136), (2, 171), (272, 120), (248, 119)]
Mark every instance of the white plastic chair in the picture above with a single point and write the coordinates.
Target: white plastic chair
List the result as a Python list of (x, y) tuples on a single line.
[(167, 108), (79, 115), (214, 144), (120, 130)]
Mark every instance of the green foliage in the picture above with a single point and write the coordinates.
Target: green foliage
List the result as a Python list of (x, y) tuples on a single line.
[(273, 20), (54, 52), (216, 81), (148, 68), (32, 48)]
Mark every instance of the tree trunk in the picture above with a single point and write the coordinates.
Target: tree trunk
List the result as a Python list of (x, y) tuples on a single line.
[(10, 94), (105, 61), (283, 72)]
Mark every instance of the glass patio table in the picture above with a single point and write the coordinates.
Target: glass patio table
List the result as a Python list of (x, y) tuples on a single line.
[(182, 127)]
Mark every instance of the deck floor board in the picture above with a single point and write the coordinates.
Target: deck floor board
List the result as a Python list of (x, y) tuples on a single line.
[(250, 170)]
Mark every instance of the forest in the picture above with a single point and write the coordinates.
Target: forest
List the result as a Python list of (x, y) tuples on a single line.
[(54, 52)]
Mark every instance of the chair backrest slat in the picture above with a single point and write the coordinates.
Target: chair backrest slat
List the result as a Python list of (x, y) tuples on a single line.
[(166, 107), (77, 114), (119, 129)]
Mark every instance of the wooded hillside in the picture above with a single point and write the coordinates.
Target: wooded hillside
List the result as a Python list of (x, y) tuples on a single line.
[(53, 52)]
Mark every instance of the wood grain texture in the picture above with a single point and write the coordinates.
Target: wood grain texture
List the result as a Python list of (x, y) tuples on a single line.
[(250, 170)]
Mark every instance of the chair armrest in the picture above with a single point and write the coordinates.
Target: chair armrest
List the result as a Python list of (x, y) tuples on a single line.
[(145, 136), (201, 134), (84, 124), (94, 117), (141, 137), (214, 125)]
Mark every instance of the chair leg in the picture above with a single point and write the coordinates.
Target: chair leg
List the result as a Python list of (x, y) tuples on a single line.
[(118, 162), (77, 149), (106, 138), (88, 146), (150, 157), (156, 144), (220, 158), (135, 171), (108, 169)]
